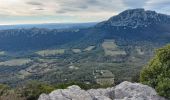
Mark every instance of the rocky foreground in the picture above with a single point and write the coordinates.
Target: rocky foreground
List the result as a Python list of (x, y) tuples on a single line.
[(123, 91)]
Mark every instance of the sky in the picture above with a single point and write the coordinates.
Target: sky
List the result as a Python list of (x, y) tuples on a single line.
[(71, 11)]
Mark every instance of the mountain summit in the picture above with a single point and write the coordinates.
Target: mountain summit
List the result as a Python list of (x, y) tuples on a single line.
[(134, 18)]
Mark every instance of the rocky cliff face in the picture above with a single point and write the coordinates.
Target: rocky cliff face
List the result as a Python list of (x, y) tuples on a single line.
[(123, 91), (134, 18)]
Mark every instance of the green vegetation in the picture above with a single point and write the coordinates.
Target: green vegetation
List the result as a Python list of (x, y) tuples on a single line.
[(33, 89), (85, 86), (3, 89), (157, 73), (7, 93)]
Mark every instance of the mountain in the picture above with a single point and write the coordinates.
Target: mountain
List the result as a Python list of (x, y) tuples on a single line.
[(135, 18), (122, 45), (133, 24), (138, 25), (49, 26)]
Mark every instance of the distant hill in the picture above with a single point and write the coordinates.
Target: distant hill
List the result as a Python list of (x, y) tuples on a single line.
[(135, 18), (122, 44), (138, 24), (49, 26), (133, 24)]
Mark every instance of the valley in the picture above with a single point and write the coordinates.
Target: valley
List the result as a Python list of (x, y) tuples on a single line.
[(65, 65), (121, 45)]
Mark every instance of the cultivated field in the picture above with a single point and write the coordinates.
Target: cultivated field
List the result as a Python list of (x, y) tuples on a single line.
[(50, 52), (2, 53), (15, 62), (76, 50), (111, 49), (89, 48)]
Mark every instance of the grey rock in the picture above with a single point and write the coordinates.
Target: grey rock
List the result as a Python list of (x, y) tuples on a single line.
[(134, 18), (109, 92), (135, 91), (44, 97), (123, 91)]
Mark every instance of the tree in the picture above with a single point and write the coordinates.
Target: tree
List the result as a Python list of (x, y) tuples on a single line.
[(157, 73)]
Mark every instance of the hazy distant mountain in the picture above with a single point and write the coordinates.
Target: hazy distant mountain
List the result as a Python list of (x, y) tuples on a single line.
[(49, 26), (122, 45), (130, 25)]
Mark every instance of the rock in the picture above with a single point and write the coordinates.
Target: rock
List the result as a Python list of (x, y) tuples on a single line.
[(135, 91), (44, 97), (109, 92), (134, 18), (123, 91), (101, 98)]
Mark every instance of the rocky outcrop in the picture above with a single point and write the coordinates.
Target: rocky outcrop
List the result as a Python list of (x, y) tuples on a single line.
[(123, 91), (134, 18)]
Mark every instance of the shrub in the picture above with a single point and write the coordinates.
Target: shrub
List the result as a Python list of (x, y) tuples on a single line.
[(135, 77), (3, 89), (80, 84), (157, 73), (33, 89)]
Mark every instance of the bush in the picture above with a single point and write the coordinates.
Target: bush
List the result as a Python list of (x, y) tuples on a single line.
[(135, 77), (80, 84), (157, 73), (33, 89), (4, 89)]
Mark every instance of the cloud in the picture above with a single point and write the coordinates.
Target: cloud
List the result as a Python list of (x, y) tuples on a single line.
[(135, 3), (34, 3), (77, 10), (39, 9), (161, 6)]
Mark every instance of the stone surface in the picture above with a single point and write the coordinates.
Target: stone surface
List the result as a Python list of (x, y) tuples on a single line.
[(135, 18), (135, 91), (123, 91)]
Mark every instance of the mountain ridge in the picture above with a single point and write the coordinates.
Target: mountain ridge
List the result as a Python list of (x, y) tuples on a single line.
[(134, 18), (128, 25)]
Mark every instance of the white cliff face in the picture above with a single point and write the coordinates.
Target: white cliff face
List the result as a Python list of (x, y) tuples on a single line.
[(123, 91)]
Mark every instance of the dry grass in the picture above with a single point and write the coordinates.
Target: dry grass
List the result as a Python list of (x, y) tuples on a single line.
[(15, 62), (2, 53), (111, 49), (76, 50), (50, 52), (89, 48)]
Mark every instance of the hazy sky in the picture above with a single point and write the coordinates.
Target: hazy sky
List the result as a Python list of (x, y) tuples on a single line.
[(61, 11)]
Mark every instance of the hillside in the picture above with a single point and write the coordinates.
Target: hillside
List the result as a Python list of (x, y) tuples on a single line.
[(120, 45)]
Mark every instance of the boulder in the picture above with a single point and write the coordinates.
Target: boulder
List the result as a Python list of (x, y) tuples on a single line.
[(135, 91), (124, 91)]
